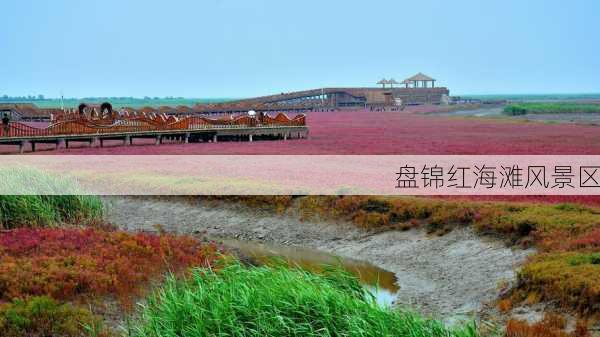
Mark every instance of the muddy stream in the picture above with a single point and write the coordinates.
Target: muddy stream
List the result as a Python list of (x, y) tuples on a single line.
[(450, 277)]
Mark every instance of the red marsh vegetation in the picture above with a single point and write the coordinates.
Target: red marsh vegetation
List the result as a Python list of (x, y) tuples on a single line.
[(367, 132)]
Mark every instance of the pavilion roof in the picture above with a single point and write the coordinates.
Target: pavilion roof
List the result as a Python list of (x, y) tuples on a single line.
[(383, 81), (419, 77)]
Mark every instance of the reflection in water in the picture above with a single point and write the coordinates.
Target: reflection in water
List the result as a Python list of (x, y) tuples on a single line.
[(381, 283)]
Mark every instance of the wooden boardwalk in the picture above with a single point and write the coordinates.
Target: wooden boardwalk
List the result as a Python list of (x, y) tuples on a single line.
[(95, 130)]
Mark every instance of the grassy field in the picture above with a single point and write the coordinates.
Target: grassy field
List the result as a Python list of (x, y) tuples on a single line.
[(550, 108), (276, 301)]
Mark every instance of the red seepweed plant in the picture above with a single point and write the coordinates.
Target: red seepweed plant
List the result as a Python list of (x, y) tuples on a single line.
[(67, 263)]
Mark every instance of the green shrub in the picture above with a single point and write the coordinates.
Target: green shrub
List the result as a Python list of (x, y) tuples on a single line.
[(593, 258), (44, 317), (549, 108), (275, 301), (514, 110)]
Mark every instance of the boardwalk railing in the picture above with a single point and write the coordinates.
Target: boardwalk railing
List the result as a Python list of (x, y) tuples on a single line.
[(144, 123)]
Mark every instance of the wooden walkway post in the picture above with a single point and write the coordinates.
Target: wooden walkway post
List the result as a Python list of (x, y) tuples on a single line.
[(22, 146)]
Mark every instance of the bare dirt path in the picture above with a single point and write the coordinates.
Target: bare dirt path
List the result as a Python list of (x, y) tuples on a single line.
[(442, 276)]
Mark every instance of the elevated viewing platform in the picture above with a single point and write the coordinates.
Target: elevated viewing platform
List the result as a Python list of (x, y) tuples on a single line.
[(418, 89), (415, 90)]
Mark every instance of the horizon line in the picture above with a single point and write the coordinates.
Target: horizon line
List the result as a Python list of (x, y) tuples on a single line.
[(246, 97)]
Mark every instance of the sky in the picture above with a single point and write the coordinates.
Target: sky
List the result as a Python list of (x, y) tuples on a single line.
[(243, 48)]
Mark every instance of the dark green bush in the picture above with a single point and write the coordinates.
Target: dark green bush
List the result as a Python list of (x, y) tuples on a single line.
[(550, 108), (514, 110)]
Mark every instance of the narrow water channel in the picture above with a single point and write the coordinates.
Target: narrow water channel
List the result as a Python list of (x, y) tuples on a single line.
[(380, 282), (438, 276)]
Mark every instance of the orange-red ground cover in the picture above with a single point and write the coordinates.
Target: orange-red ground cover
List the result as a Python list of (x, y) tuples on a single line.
[(67, 263), (551, 326), (369, 132)]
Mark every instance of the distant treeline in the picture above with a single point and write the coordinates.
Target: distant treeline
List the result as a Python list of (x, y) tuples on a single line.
[(21, 98), (535, 97), (117, 102), (516, 109)]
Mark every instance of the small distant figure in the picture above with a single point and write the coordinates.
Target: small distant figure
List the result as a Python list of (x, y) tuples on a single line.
[(5, 122)]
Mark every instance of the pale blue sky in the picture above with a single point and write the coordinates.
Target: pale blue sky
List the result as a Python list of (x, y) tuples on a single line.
[(238, 48)]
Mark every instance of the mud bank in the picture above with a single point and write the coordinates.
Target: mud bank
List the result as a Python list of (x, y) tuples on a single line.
[(441, 276)]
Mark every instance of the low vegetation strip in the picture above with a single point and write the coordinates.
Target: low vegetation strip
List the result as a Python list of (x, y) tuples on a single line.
[(275, 301), (515, 221), (550, 108)]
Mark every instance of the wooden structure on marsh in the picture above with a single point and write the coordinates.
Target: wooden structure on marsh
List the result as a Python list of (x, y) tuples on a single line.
[(95, 124), (418, 89), (27, 112)]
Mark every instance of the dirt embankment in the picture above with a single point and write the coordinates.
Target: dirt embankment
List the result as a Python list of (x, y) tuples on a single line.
[(443, 276)]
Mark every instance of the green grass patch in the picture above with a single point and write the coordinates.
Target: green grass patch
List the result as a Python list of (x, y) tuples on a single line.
[(550, 108), (32, 198), (48, 210), (275, 301)]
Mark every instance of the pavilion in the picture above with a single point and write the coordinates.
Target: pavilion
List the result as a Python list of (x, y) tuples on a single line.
[(383, 82), (419, 80)]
